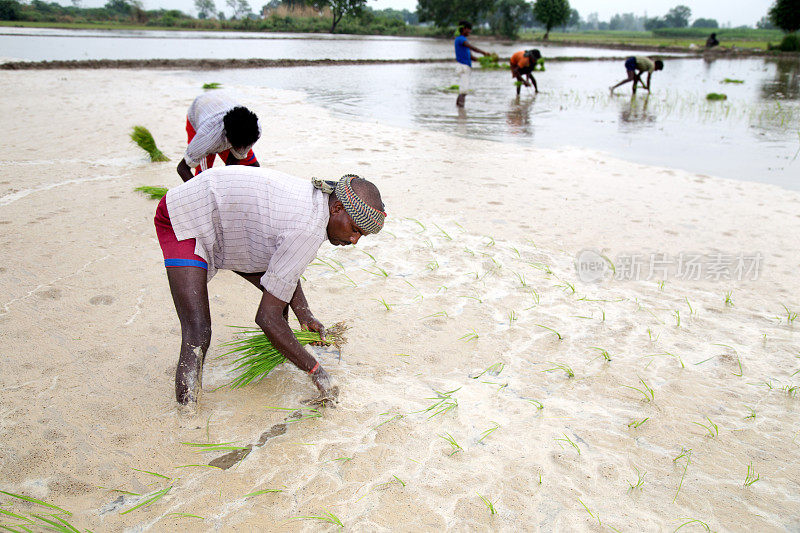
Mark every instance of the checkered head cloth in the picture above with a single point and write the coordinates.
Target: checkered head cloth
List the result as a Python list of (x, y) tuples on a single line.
[(367, 218)]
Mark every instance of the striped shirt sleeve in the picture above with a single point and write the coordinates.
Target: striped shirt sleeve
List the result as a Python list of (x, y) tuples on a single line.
[(296, 249)]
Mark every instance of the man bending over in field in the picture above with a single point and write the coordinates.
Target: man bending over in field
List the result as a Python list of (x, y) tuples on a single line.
[(636, 66), (267, 227), (217, 125)]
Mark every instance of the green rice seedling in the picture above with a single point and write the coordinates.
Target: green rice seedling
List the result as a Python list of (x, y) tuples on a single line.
[(155, 193), (152, 473), (694, 521), (473, 298), (491, 241), (692, 312), (712, 428), (195, 465), (541, 266), (255, 356), (751, 477), (419, 294), (521, 278), (442, 314), (36, 501), (454, 446), (536, 403), (142, 137), (751, 414), (386, 305), (420, 224), (791, 316), (451, 89), (535, 294), (730, 80), (603, 353), (492, 370), (326, 516), (367, 254), (648, 393), (54, 523), (489, 505), (470, 252), (716, 97), (661, 285), (212, 85), (636, 423), (650, 335), (791, 390), (433, 265), (471, 336), (489, 431), (668, 354), (260, 492), (550, 330), (395, 417), (593, 515), (380, 272), (728, 300), (519, 255), (687, 456), (222, 446), (150, 499), (323, 261), (399, 480), (569, 441), (444, 233), (677, 314), (512, 317), (560, 366), (444, 403), (185, 515), (566, 286)]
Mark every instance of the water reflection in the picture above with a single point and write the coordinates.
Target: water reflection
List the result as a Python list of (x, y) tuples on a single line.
[(786, 83), (635, 111), (518, 116)]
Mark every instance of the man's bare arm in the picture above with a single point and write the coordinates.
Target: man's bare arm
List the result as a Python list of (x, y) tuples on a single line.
[(184, 171)]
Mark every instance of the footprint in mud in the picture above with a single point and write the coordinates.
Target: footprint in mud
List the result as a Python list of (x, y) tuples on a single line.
[(274, 431), (52, 293), (229, 459), (104, 299)]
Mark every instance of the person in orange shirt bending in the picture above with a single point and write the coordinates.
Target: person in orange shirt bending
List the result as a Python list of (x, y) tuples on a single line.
[(522, 65)]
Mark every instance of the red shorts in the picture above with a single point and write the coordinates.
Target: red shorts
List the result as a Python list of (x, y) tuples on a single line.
[(209, 160), (176, 253)]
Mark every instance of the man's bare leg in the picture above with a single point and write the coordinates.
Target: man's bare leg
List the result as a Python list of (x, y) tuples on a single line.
[(190, 295), (460, 100)]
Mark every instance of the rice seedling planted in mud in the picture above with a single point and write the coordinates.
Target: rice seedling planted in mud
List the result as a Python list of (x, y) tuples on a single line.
[(593, 515), (694, 521), (212, 85), (647, 392), (386, 305), (150, 499), (731, 80), (603, 353), (489, 431), (144, 139), (536, 403), (728, 300), (326, 516), (569, 441), (489, 505), (687, 456), (444, 403), (260, 492), (636, 423), (492, 370), (256, 356), (751, 414), (791, 316), (668, 354), (639, 480), (560, 366), (444, 233), (380, 272), (551, 330), (454, 446), (712, 428), (471, 336), (716, 96), (751, 477), (155, 193)]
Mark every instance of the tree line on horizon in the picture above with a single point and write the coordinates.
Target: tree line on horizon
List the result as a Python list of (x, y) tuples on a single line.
[(504, 18)]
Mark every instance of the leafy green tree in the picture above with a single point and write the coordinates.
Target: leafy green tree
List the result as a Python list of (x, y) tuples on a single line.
[(678, 17), (507, 17), (785, 14), (118, 8), (765, 24), (574, 19), (205, 8), (551, 13), (341, 8), (241, 8), (445, 13), (705, 23), (10, 10)]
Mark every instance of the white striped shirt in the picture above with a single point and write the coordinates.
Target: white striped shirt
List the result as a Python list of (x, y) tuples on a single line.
[(252, 219), (205, 115)]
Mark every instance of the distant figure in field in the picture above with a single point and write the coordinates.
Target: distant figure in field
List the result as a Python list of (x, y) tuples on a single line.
[(218, 125), (522, 65), (636, 66), (712, 41), (464, 58)]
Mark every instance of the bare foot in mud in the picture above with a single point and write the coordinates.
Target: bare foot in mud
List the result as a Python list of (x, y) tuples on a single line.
[(327, 398)]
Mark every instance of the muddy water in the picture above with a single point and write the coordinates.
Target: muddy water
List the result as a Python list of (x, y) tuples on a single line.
[(754, 135)]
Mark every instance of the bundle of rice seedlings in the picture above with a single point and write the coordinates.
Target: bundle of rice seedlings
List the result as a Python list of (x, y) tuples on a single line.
[(256, 356), (490, 62), (716, 96), (212, 85), (144, 139), (156, 193)]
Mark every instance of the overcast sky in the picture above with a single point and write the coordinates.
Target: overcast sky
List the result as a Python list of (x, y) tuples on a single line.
[(735, 12)]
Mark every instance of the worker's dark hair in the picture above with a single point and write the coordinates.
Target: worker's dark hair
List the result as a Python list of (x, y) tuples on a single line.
[(659, 64), (464, 24), (241, 127), (534, 54)]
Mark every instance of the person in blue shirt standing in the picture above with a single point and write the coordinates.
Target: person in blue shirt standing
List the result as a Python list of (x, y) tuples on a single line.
[(464, 58)]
